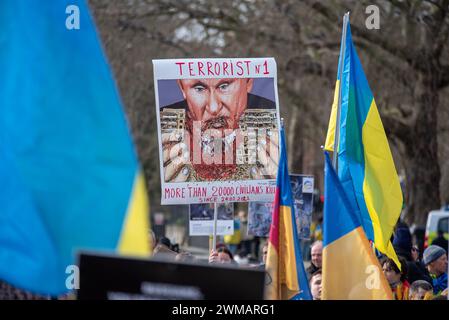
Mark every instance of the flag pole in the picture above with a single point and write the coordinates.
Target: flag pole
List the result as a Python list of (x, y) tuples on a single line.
[(340, 71)]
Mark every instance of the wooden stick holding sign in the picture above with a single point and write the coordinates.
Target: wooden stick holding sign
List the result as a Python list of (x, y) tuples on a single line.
[(214, 236)]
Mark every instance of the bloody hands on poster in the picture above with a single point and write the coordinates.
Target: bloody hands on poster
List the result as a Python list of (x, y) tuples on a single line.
[(218, 127)]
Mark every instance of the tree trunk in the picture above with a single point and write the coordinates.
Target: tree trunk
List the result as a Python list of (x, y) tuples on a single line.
[(422, 167), (295, 144)]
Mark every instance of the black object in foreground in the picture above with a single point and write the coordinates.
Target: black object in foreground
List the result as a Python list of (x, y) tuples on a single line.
[(109, 277)]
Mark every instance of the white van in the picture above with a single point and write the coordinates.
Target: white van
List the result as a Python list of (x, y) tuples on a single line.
[(436, 220)]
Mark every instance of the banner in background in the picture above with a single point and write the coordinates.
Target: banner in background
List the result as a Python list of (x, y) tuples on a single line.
[(259, 213), (201, 219)]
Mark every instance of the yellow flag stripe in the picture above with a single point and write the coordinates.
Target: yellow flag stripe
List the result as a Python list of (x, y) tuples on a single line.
[(134, 239), (288, 273), (272, 291), (351, 271), (330, 137), (381, 188)]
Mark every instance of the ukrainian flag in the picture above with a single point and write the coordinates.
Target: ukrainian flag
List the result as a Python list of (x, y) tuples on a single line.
[(285, 268), (70, 178), (365, 164), (351, 270)]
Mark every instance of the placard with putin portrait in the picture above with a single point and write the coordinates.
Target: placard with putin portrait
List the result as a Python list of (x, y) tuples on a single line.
[(218, 129)]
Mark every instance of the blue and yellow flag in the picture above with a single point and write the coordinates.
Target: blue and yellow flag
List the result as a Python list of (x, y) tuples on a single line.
[(365, 164), (70, 178), (285, 268), (351, 270)]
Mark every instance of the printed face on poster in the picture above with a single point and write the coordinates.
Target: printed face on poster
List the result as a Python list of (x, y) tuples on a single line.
[(201, 221), (218, 124), (259, 213)]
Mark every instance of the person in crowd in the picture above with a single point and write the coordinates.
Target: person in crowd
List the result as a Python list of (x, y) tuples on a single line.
[(221, 255), (262, 263), (265, 253), (402, 243), (415, 253), (256, 247), (185, 256), (445, 292), (440, 240), (435, 259), (247, 240), (396, 278), (152, 240), (440, 297), (165, 242), (164, 250), (9, 292), (241, 258), (420, 290), (316, 258), (315, 285)]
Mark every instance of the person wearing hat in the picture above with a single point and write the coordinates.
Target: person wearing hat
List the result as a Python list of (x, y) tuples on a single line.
[(402, 244), (435, 259)]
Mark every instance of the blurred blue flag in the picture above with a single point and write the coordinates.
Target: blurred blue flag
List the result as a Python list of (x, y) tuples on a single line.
[(69, 174)]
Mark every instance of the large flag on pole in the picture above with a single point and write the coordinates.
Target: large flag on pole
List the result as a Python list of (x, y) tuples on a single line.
[(70, 178), (365, 164), (285, 268), (351, 270)]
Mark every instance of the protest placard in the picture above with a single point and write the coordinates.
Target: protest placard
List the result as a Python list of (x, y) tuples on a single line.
[(201, 220), (218, 129), (259, 213)]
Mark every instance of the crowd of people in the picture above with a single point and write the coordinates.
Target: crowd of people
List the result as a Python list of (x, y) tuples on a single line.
[(420, 277)]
